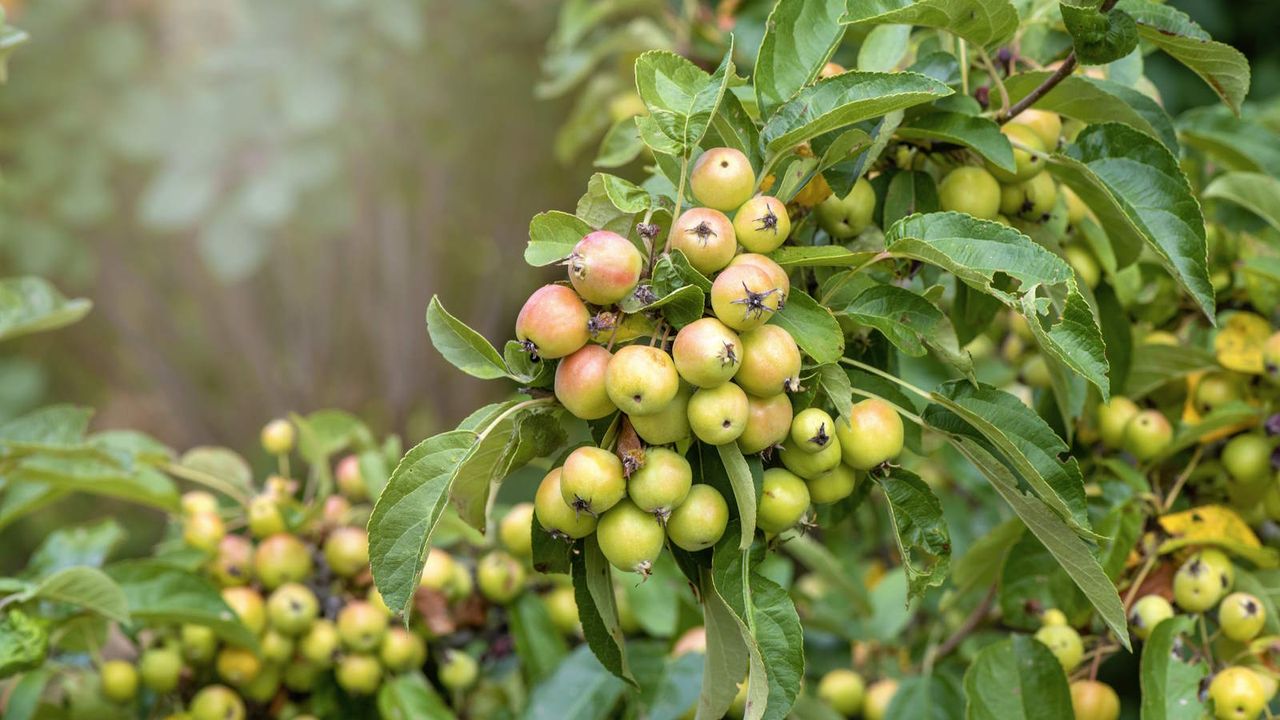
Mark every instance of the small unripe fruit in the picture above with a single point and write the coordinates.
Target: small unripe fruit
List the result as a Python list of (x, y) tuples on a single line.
[(810, 465), (843, 690), (871, 435), (604, 267), (500, 577), (198, 501), (119, 681), (580, 383), (1093, 700), (358, 674), (216, 702), (879, 696), (555, 515), (770, 362), (1197, 586), (707, 239), (762, 224), (847, 217), (292, 608), (263, 687), (630, 538), (279, 559), (1053, 616), (1148, 612), (516, 530), (300, 677), (718, 416), (706, 353), (722, 178), (670, 424), (336, 510), (1065, 644), (277, 649), (812, 430), (438, 569), (1247, 458), (1077, 211), (1035, 372), (264, 517), (238, 666), (1237, 694), (458, 670), (768, 422), (248, 605), (553, 322), (1113, 418), (592, 480), (1220, 565), (661, 483), (1029, 162), (699, 522), (320, 645), (1029, 199), (199, 643), (744, 297), (160, 669), (1216, 390), (833, 485), (278, 437), (1046, 125), (694, 640), (562, 607), (1241, 616), (350, 482), (402, 650), (970, 190), (233, 563), (203, 531), (641, 380), (1083, 262), (1147, 434), (346, 550), (361, 626), (777, 275), (784, 498)]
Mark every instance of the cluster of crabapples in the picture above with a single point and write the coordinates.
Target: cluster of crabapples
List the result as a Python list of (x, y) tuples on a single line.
[(721, 379), (298, 579)]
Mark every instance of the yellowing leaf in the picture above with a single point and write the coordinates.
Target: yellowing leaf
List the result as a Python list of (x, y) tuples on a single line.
[(1238, 344), (1220, 527), (1192, 417)]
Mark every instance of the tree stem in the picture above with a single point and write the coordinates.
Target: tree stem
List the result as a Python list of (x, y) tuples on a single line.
[(1042, 89)]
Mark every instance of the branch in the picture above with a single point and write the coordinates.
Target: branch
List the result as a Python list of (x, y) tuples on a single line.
[(1042, 89), (968, 626)]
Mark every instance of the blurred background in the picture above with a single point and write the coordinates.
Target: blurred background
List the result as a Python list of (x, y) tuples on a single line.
[(261, 197)]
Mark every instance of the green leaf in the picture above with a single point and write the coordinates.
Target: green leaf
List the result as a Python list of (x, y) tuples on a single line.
[(909, 321), (100, 477), (920, 530), (1017, 679), (1255, 192), (408, 510), (1031, 579), (86, 587), (221, 463), (734, 128), (677, 692), (610, 203), (552, 236), (982, 22), (680, 306), (836, 386), (24, 643), (775, 628), (979, 134), (1155, 365), (799, 38), (463, 347), (980, 565), (324, 433), (1142, 198), (791, 257), (1099, 37), (812, 326), (598, 608), (87, 545), (681, 97), (843, 100), (159, 594), (580, 689), (24, 700), (1171, 683), (21, 499), (743, 482), (539, 644), (55, 427), (31, 305), (927, 697), (884, 48), (410, 695), (1090, 101), (550, 554), (727, 659), (621, 144), (1225, 69), (1238, 143), (910, 192)]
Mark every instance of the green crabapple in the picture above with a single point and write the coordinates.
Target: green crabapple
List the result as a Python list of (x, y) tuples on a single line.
[(1217, 389), (630, 538), (700, 521), (321, 643), (198, 501), (1083, 262), (768, 422), (119, 680), (555, 515), (1029, 199), (516, 530), (438, 569), (1093, 700), (264, 517), (762, 224), (238, 666), (970, 190), (843, 690), (198, 643), (248, 605), (1271, 358), (553, 322), (292, 608), (1247, 458), (1147, 434), (718, 415), (770, 362), (1047, 125), (160, 669), (279, 559), (1241, 616), (1065, 644), (1028, 163), (500, 577), (1113, 417), (604, 267), (359, 674), (661, 483), (641, 380), (263, 687), (844, 218), (580, 383), (707, 239), (1237, 694), (670, 424), (784, 499), (706, 353), (233, 562), (1148, 612), (809, 464), (203, 531), (216, 702), (871, 435), (592, 480), (777, 275), (722, 178), (744, 297), (458, 670), (346, 550), (562, 607), (361, 626), (833, 485), (812, 430), (1197, 586), (276, 647), (879, 696), (402, 650), (278, 437)]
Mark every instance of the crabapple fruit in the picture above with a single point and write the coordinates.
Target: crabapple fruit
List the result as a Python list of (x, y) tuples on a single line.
[(238, 666), (321, 643), (661, 483), (562, 607), (1197, 586), (160, 669), (292, 608), (592, 480), (833, 485), (203, 531), (516, 530), (812, 430), (458, 670), (580, 383), (1148, 612), (216, 702), (1237, 694), (722, 178), (438, 569), (809, 464), (1113, 417), (1241, 616), (277, 649), (641, 380), (248, 605), (278, 437), (770, 362), (630, 538), (198, 501), (871, 435), (1147, 434), (119, 680), (1047, 125), (1029, 199), (346, 550), (970, 190), (775, 272), (699, 522), (279, 559), (707, 239), (706, 353), (233, 563), (744, 297), (718, 416), (198, 643), (843, 690), (358, 674), (1247, 458), (604, 267), (784, 498), (670, 424), (553, 322), (762, 224), (1093, 700), (1028, 162), (554, 514), (402, 650), (847, 217), (350, 482), (500, 577), (768, 422), (361, 626), (264, 517), (1065, 644), (879, 696)]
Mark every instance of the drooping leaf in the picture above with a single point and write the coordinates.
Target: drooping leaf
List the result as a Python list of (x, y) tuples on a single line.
[(1171, 682), (552, 235), (598, 608), (681, 97), (84, 545), (1255, 192), (800, 36), (910, 192), (1017, 679), (160, 594), (31, 305), (86, 587), (743, 481), (812, 326), (907, 320), (410, 695), (920, 530), (463, 347), (1091, 100), (798, 256), (144, 486), (621, 144), (982, 22), (1238, 143), (979, 134), (580, 689)]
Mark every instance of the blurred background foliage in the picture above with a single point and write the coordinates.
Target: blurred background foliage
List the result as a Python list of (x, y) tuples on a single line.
[(261, 197)]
